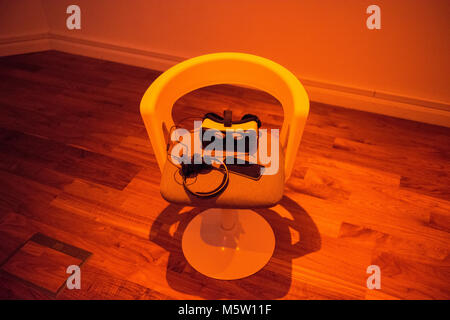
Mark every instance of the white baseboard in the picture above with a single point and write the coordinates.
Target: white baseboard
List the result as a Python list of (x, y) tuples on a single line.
[(24, 44), (377, 105), (427, 111), (110, 52)]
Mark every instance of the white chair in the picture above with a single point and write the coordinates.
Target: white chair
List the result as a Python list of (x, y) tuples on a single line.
[(228, 240)]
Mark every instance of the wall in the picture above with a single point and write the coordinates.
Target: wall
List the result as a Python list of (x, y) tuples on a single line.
[(402, 69), (20, 18), (23, 26)]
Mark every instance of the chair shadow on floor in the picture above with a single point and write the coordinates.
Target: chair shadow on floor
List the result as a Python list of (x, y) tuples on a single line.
[(271, 282)]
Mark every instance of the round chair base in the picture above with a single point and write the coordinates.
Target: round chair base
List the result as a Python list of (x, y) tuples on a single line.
[(228, 244)]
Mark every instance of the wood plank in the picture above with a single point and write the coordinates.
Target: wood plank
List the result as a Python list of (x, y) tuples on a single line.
[(41, 266), (68, 159)]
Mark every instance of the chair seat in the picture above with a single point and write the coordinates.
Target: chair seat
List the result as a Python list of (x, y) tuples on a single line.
[(240, 193)]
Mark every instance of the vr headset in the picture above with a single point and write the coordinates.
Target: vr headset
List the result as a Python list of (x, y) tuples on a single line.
[(244, 132)]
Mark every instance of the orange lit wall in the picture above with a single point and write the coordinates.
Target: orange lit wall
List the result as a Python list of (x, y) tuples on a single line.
[(21, 18), (322, 40)]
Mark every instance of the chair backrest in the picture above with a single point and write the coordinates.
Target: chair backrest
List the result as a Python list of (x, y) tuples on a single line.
[(226, 68)]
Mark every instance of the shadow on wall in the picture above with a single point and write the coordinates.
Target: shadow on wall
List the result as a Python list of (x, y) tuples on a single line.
[(271, 282)]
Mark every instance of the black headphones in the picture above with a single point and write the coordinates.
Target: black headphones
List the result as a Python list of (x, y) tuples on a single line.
[(190, 170)]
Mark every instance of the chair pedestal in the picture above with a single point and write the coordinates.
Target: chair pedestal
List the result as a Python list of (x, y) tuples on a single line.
[(228, 244)]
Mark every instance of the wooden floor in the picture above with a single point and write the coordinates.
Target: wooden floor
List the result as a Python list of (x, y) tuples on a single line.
[(76, 166)]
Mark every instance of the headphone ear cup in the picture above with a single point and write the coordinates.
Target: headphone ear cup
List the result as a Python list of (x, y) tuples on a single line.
[(186, 169), (251, 117)]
